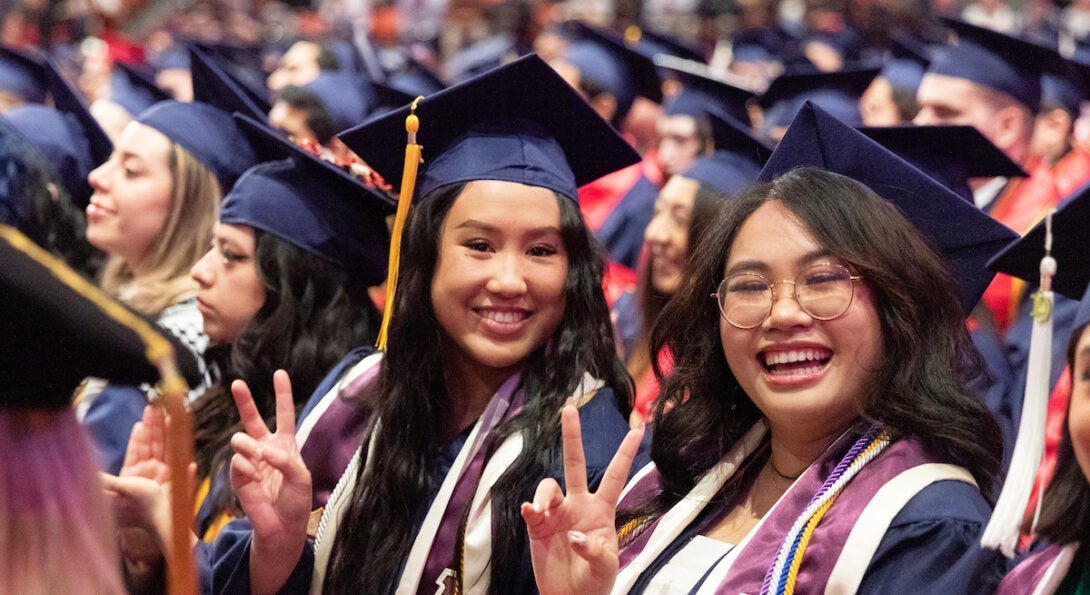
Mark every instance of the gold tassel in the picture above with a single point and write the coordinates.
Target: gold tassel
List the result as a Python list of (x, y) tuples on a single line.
[(404, 200)]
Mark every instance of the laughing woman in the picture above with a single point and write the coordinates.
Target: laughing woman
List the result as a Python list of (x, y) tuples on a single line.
[(499, 319), (815, 441)]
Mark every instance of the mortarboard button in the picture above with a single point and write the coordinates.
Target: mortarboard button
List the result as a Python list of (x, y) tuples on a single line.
[(520, 123), (964, 235), (949, 154)]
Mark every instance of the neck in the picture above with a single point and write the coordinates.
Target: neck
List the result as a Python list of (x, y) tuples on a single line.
[(793, 450), (470, 388)]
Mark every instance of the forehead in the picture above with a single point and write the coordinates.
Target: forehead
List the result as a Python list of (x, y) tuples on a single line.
[(944, 89), (679, 124), (772, 235), (143, 140), (505, 204)]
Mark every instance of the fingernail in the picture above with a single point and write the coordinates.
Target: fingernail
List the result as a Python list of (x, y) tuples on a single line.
[(577, 537)]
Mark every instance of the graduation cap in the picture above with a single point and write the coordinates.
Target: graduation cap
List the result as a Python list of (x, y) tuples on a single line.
[(520, 123), (311, 203), (68, 138), (481, 57), (995, 60), (603, 58), (240, 64), (22, 75), (208, 133), (134, 89), (347, 98), (415, 79), (214, 86), (651, 44), (834, 92), (907, 61), (737, 159), (845, 42), (1022, 258), (700, 93), (1066, 84), (964, 235), (949, 154), (389, 98), (765, 44), (58, 328)]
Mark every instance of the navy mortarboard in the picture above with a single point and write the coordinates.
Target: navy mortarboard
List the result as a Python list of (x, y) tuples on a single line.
[(607, 63), (907, 61), (213, 85), (347, 98), (134, 89), (22, 78), (834, 92), (389, 98), (520, 123), (1022, 259), (950, 154), (963, 234), (242, 65), (700, 93), (1066, 84), (651, 44), (737, 159), (481, 57), (58, 328), (208, 133), (311, 203), (415, 78), (68, 139), (994, 60)]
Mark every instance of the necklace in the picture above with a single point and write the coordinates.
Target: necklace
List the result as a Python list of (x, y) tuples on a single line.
[(784, 476)]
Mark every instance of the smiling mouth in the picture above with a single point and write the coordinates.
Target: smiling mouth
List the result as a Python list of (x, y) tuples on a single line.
[(502, 317), (799, 362)]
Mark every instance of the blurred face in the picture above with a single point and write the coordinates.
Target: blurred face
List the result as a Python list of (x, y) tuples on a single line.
[(947, 100), (298, 66), (231, 292), (679, 143), (498, 289), (876, 105), (132, 193), (667, 236), (291, 120), (1078, 415), (806, 375)]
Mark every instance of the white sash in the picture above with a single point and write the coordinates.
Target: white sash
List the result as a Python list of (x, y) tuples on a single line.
[(478, 537), (874, 521), (682, 514)]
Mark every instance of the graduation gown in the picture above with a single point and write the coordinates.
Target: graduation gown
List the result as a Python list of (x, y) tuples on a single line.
[(903, 523), (225, 563)]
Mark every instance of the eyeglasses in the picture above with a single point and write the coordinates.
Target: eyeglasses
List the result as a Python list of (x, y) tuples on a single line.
[(824, 291)]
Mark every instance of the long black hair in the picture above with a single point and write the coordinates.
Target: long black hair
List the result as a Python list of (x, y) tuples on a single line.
[(1065, 506), (918, 390), (314, 313), (411, 399)]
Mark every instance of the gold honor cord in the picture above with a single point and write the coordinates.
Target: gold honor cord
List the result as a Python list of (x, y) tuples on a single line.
[(182, 574), (404, 200)]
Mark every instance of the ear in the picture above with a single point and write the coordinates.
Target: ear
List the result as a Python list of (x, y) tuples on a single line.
[(1057, 121), (1012, 131), (606, 106)]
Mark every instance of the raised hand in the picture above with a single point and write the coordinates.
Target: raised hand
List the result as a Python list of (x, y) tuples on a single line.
[(573, 538), (272, 484)]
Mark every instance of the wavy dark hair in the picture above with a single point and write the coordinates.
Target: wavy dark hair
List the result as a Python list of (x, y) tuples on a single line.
[(918, 391), (1065, 508), (314, 313), (377, 532), (33, 201)]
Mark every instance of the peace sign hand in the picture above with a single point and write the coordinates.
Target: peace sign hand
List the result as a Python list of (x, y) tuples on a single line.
[(573, 538)]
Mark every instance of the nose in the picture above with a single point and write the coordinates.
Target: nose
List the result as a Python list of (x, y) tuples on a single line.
[(97, 177), (925, 117), (786, 312), (655, 231), (202, 271), (506, 278)]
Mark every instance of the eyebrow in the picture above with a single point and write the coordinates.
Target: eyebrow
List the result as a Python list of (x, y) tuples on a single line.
[(481, 226), (747, 266)]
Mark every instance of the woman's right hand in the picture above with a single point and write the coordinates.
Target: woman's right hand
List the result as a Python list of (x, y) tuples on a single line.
[(573, 537), (272, 484)]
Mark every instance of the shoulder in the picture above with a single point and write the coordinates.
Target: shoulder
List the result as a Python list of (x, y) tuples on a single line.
[(603, 429), (945, 502)]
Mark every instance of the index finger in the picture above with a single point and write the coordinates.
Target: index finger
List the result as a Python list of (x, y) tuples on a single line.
[(285, 403), (575, 463), (247, 410), (616, 475)]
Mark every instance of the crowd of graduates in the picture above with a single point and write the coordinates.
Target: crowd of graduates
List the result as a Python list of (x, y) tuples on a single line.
[(528, 297)]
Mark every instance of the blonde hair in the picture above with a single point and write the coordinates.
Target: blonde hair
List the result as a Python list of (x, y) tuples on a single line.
[(52, 508), (185, 236)]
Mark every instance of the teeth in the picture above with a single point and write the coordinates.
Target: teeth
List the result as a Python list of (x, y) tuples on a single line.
[(503, 317), (790, 357)]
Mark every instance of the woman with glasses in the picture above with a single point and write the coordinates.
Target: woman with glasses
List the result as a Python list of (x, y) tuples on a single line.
[(815, 433)]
